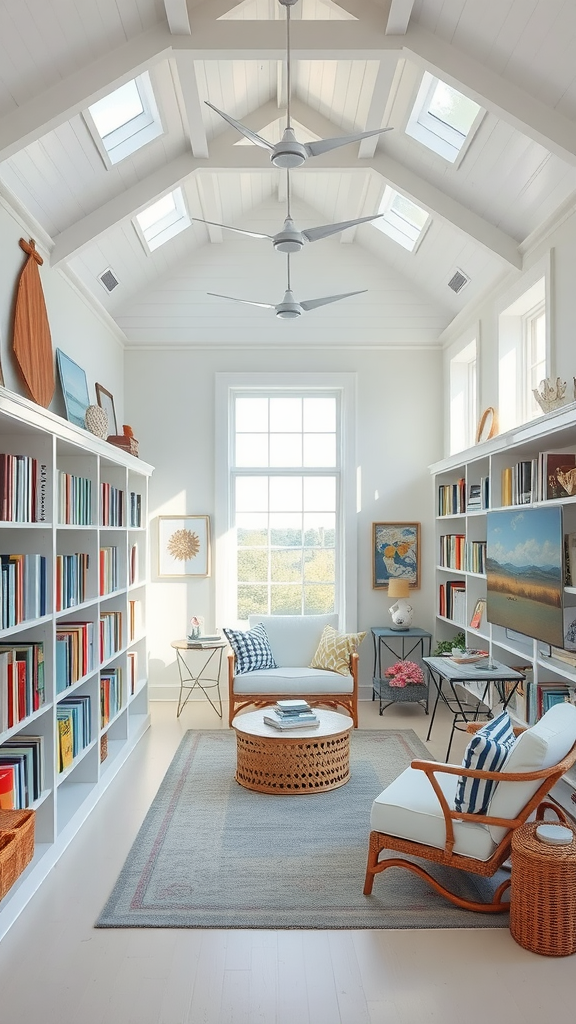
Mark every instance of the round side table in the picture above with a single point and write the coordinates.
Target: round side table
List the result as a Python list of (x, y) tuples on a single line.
[(543, 892)]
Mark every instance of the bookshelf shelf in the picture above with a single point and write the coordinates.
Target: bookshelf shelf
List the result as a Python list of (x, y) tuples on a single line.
[(502, 469), (71, 482)]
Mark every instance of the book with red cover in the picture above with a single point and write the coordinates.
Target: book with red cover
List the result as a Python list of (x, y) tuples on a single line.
[(7, 787)]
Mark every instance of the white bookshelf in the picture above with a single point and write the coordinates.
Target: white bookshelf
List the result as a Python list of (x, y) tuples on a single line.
[(554, 432), (69, 796)]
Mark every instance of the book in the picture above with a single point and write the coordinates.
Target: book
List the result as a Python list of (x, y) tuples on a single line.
[(292, 705), (7, 787), (291, 723), (65, 754), (478, 613)]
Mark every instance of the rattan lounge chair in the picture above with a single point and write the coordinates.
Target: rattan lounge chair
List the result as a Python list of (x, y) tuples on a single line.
[(415, 815)]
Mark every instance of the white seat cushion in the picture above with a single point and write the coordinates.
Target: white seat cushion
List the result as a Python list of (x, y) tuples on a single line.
[(294, 638), (291, 679), (541, 746), (409, 808)]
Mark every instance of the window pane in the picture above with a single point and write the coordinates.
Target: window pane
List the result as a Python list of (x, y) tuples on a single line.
[(320, 530), (453, 108), (320, 414), (285, 449), (285, 494), (251, 530), (163, 208), (251, 449), (319, 566), (252, 414), (286, 530), (252, 565), (286, 600), (114, 110), (408, 211), (252, 494), (286, 414), (318, 600), (252, 601), (319, 450), (319, 493), (286, 566)]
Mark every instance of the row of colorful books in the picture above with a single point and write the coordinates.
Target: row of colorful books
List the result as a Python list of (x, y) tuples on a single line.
[(452, 498), (111, 505), (111, 694), (475, 556), (21, 771), (452, 601), (74, 653), (22, 588), (23, 483), (109, 574), (552, 475), (74, 728), (74, 499), (452, 546), (135, 511), (71, 580), (22, 688), (110, 634)]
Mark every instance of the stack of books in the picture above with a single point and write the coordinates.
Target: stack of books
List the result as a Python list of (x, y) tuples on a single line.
[(204, 640), (291, 714)]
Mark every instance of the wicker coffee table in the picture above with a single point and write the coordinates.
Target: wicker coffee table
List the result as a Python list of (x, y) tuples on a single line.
[(294, 762)]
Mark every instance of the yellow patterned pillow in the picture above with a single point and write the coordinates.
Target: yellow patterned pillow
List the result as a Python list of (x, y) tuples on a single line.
[(334, 650)]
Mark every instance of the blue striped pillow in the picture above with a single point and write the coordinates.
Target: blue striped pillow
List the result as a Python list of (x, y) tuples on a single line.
[(487, 751), (252, 649)]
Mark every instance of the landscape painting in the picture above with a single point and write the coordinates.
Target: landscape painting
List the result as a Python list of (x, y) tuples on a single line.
[(524, 567)]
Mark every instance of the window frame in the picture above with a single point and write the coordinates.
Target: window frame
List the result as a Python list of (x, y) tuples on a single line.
[(131, 136), (388, 228), (434, 133), (227, 386), (172, 226), (466, 369)]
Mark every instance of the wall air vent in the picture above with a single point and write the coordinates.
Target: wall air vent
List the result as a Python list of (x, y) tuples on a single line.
[(108, 279), (458, 281)]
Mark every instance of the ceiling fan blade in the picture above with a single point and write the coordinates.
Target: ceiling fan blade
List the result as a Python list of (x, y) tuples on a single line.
[(247, 302), (241, 231), (314, 303), (324, 145), (257, 139), (313, 234)]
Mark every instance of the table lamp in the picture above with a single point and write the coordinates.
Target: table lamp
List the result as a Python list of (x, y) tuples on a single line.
[(401, 611)]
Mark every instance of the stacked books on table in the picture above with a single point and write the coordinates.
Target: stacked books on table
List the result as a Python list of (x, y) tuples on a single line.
[(291, 714), (204, 640)]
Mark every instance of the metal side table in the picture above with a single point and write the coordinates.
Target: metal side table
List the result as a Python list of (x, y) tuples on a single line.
[(202, 674), (411, 640)]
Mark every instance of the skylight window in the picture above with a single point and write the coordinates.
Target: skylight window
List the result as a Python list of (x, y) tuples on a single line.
[(125, 120), (443, 119), (402, 219), (164, 219)]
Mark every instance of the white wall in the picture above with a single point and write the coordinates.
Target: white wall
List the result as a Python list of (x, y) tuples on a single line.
[(75, 327), (170, 404), (561, 244)]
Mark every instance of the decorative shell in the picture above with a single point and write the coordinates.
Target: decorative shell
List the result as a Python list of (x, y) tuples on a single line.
[(96, 421)]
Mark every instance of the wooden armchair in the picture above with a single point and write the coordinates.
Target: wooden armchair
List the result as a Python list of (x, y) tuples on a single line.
[(420, 804)]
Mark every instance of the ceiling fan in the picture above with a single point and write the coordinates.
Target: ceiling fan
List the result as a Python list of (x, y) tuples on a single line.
[(289, 309), (289, 152)]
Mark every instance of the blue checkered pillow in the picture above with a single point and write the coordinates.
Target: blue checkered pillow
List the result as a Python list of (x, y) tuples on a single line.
[(252, 649), (487, 751)]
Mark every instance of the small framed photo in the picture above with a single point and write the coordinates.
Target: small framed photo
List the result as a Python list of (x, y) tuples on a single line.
[(74, 388), (106, 401), (395, 554), (183, 546)]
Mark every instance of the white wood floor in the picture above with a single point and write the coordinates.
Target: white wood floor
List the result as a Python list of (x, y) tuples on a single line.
[(55, 968)]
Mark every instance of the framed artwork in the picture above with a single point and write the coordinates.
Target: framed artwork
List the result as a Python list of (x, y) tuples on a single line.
[(395, 553), (106, 402), (74, 388), (183, 546)]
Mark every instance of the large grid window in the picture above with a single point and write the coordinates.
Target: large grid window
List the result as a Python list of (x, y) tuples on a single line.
[(285, 492)]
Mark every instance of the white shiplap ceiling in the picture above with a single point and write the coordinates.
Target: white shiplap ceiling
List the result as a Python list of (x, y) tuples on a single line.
[(357, 65)]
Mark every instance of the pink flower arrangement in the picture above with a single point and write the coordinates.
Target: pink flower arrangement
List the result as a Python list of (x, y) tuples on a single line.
[(404, 673)]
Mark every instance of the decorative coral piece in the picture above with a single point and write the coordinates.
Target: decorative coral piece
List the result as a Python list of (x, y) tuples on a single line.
[(551, 395), (404, 673)]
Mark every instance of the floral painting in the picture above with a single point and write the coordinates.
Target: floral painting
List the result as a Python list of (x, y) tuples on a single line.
[(183, 546), (396, 553)]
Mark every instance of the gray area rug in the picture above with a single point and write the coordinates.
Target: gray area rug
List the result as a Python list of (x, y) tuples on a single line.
[(211, 854)]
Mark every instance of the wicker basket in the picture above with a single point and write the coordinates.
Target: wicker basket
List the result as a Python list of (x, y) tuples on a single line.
[(16, 845), (543, 893), (418, 692), (103, 747)]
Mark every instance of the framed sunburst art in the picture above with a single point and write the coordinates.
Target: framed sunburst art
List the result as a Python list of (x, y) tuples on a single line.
[(183, 546)]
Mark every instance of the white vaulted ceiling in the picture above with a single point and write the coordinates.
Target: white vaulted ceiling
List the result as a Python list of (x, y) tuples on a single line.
[(356, 65)]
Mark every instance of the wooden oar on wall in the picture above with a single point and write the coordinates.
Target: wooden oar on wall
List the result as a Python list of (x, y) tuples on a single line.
[(32, 341)]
